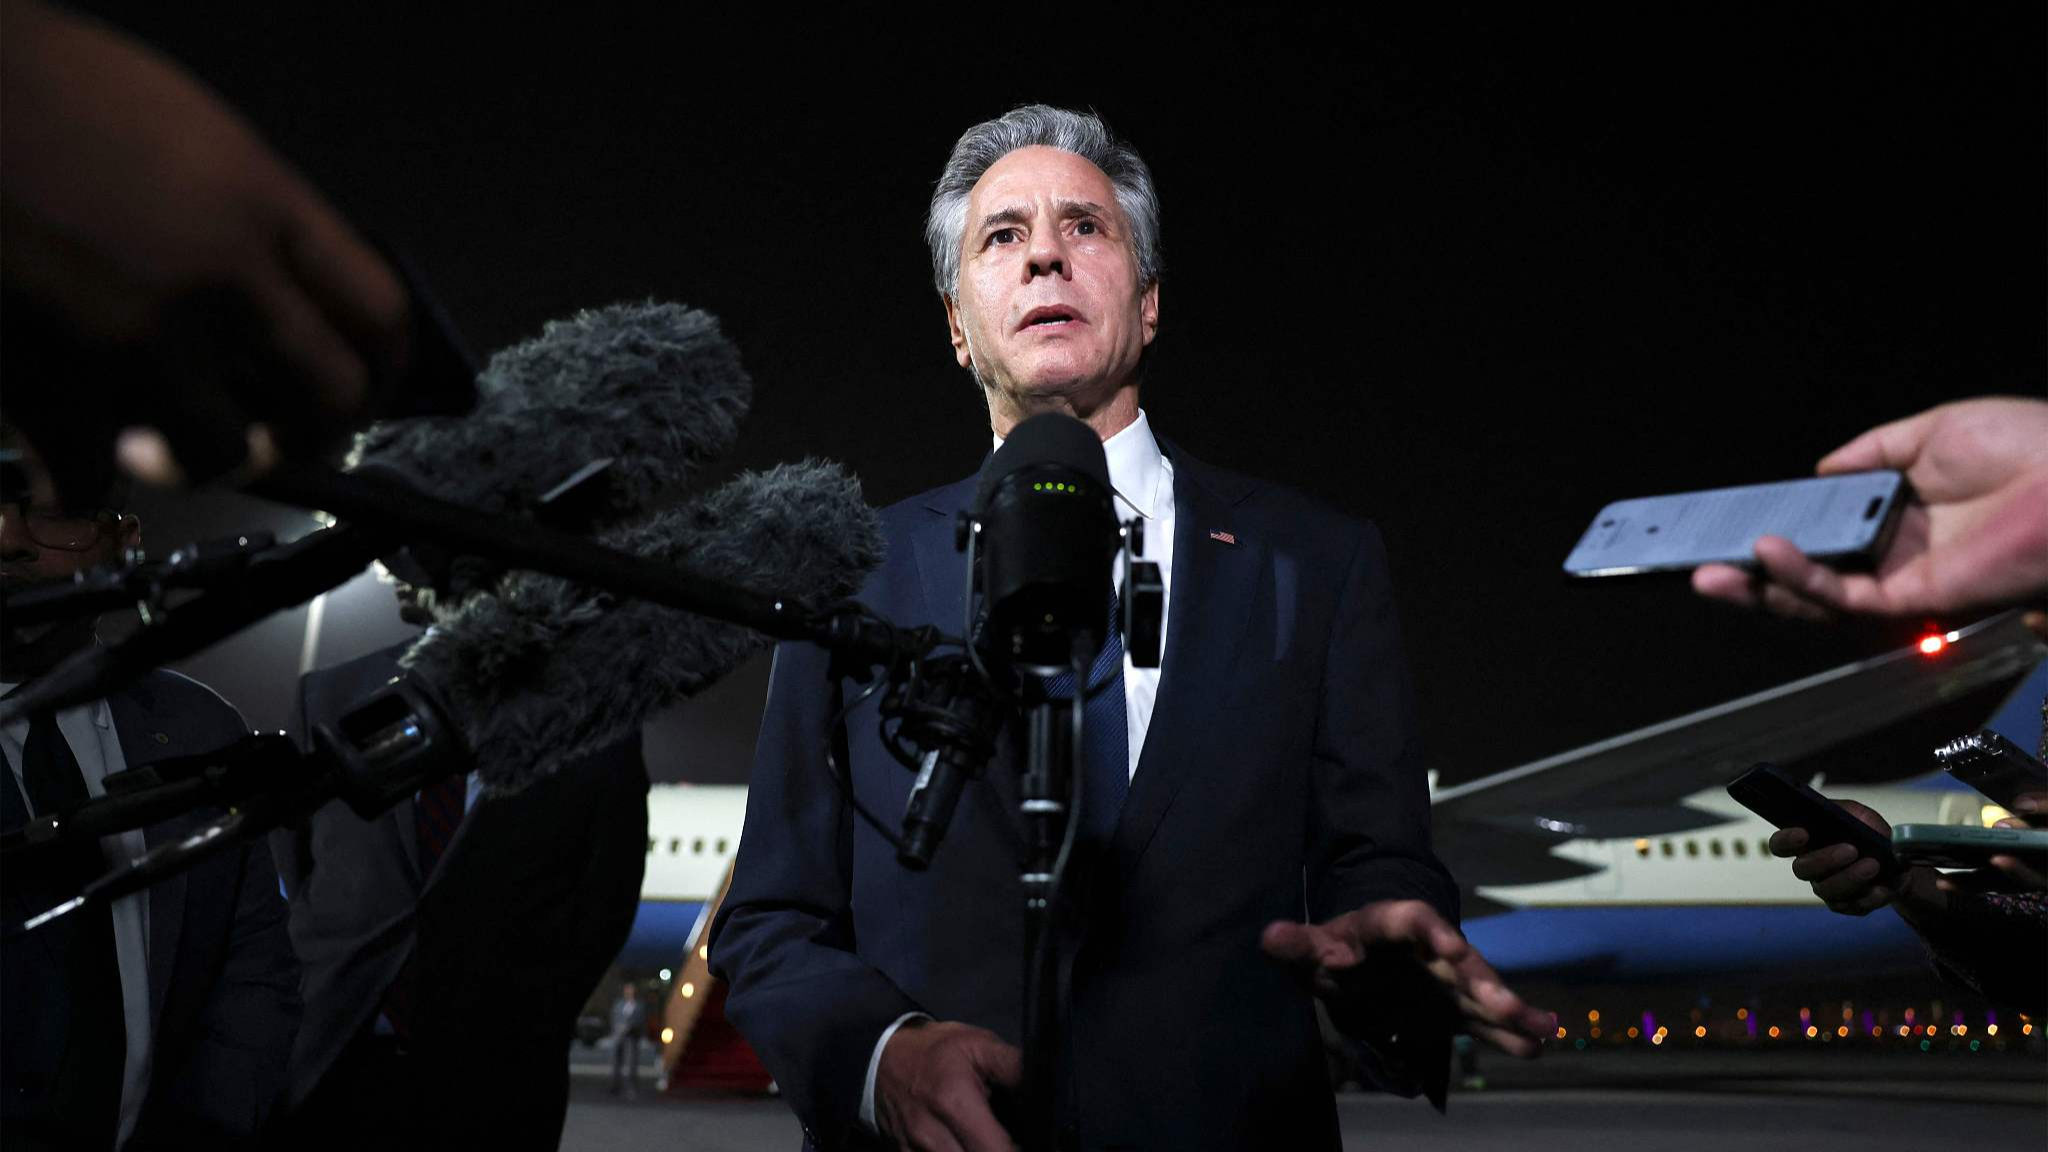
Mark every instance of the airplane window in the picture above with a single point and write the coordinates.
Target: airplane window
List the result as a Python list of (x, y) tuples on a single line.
[(1715, 847), (675, 846), (1763, 847), (1642, 847), (1692, 847), (1742, 847), (651, 842), (697, 846), (1667, 848), (721, 846)]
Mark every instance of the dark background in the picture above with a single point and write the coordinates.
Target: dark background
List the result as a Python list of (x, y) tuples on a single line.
[(1472, 276)]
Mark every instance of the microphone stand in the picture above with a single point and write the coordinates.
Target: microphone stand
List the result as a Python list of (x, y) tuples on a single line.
[(1049, 801)]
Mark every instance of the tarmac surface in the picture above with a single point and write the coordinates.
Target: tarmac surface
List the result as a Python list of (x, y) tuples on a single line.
[(1675, 1100)]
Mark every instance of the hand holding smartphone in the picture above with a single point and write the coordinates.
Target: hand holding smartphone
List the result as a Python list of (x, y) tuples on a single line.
[(1774, 794)]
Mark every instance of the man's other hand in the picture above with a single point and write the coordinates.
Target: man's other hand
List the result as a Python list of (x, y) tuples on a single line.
[(1976, 537), (932, 1088), (1331, 951)]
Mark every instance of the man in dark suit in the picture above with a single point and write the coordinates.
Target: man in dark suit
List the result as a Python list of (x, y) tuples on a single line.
[(449, 944), (1260, 823), (165, 1019)]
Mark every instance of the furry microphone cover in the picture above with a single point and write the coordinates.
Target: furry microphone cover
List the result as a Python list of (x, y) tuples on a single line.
[(544, 670), (655, 387)]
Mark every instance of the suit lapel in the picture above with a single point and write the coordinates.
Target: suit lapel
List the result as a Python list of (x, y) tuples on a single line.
[(942, 570), (132, 726), (1213, 585)]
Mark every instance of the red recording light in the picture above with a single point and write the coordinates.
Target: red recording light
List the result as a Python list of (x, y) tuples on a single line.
[(1932, 644)]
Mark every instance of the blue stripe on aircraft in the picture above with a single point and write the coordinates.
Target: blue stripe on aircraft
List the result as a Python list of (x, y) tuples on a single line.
[(1643, 942), (661, 931)]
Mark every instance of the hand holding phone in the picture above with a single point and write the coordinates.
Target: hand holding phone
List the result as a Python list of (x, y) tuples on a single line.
[(1973, 538), (1774, 794)]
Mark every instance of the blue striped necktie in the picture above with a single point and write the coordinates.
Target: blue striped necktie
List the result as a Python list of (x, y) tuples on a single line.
[(1105, 751)]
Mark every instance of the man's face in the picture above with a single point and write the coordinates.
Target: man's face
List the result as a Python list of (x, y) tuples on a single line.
[(36, 545), (1050, 313), (43, 545)]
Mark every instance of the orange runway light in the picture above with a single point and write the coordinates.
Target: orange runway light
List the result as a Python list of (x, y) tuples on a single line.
[(1774, 1032)]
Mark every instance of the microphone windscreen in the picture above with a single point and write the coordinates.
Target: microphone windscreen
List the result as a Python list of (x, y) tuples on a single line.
[(655, 387), (544, 670)]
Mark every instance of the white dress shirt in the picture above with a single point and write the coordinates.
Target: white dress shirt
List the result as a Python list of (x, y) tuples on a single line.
[(1142, 478), (89, 730)]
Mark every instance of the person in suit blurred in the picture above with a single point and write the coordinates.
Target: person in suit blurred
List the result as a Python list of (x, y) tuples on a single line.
[(450, 943), (163, 1020)]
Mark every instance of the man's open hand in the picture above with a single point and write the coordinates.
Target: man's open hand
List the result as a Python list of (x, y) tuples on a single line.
[(1332, 950), (932, 1088)]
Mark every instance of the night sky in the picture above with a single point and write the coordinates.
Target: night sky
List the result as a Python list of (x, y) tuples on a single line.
[(1472, 277)]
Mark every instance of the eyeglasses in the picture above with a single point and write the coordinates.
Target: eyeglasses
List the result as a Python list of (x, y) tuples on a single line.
[(64, 533)]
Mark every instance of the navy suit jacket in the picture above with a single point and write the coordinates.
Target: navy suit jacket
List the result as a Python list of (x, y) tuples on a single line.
[(1279, 780), (223, 983)]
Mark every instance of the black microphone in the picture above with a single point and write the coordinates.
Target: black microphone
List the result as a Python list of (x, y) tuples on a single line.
[(542, 670), (1045, 531)]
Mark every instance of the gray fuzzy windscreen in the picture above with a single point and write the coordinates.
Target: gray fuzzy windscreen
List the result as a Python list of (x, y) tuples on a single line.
[(656, 387), (544, 671)]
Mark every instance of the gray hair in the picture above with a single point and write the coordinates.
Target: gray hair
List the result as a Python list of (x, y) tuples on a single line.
[(1082, 133)]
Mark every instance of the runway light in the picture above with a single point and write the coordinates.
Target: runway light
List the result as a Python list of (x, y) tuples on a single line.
[(1876, 1031), (665, 974), (1774, 1032), (2026, 1029), (1595, 1033), (1905, 1030), (1700, 1032), (1657, 1039), (1632, 1033), (1926, 1045), (1909, 1015), (1930, 645), (689, 990), (1560, 1033), (1811, 1031), (1593, 1017), (1973, 1044), (1742, 1013), (1805, 1015), (1843, 1031), (668, 1035), (1930, 1029), (1991, 1029)]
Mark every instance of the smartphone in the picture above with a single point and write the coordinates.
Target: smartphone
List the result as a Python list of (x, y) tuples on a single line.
[(1774, 794), (1962, 846), (1843, 520), (1994, 766)]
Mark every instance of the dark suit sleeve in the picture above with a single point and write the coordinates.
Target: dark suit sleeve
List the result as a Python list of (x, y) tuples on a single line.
[(809, 1005), (1369, 818), (1369, 815)]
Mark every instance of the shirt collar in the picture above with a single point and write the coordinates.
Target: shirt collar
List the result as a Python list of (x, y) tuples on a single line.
[(1137, 471)]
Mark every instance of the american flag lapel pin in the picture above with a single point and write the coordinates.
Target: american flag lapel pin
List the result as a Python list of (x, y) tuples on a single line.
[(1226, 537)]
